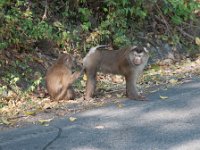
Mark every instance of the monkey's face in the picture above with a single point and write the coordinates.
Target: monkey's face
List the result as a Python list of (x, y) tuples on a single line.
[(137, 55), (70, 62), (67, 60)]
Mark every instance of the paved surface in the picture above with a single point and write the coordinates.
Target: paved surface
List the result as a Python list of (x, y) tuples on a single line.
[(171, 124)]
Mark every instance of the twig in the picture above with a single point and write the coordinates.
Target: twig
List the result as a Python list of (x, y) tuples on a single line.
[(113, 91), (22, 116), (45, 11), (191, 25), (163, 19), (185, 33)]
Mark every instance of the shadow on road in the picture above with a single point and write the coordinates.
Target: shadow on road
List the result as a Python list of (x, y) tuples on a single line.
[(172, 124)]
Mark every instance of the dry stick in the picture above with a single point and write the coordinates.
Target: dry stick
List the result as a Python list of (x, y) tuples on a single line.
[(181, 31), (113, 91), (163, 19), (191, 25), (45, 10), (17, 117), (185, 33), (167, 25)]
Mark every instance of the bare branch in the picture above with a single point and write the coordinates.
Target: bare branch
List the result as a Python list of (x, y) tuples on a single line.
[(163, 20), (45, 11), (185, 33)]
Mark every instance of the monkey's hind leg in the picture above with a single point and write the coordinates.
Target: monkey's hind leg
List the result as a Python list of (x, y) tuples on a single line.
[(70, 95), (90, 85)]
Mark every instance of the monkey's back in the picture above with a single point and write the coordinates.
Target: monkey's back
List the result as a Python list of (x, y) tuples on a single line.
[(54, 79), (111, 60)]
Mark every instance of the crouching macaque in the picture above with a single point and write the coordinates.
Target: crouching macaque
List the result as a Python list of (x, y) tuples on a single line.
[(129, 62), (59, 78)]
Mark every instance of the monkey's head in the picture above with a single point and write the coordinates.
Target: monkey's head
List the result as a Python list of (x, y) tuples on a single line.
[(67, 60), (138, 55)]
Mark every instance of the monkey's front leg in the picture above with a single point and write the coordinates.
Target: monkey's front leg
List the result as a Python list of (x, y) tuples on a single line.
[(90, 86), (131, 88), (74, 77)]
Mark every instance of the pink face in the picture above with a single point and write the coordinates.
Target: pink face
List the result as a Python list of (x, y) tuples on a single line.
[(137, 55), (137, 58)]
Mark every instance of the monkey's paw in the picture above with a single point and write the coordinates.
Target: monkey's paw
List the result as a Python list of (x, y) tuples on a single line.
[(77, 74)]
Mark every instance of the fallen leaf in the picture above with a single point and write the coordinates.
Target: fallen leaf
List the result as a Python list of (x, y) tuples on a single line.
[(187, 80), (108, 96), (72, 119), (163, 97), (119, 95), (99, 127), (5, 121), (84, 77), (30, 113), (173, 81), (120, 105), (153, 91), (197, 40), (45, 122)]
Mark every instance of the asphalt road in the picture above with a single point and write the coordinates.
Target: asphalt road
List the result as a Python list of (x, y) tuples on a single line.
[(170, 124)]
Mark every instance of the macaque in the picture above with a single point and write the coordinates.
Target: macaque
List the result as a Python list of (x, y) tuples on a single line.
[(128, 62), (59, 78)]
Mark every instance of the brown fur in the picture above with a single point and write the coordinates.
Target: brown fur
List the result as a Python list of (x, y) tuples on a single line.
[(59, 78), (129, 62)]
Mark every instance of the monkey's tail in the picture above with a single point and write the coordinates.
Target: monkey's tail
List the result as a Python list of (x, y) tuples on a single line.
[(102, 46), (92, 50), (98, 46)]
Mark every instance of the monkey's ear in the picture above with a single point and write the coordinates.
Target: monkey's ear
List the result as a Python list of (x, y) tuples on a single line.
[(67, 58), (133, 47), (145, 49)]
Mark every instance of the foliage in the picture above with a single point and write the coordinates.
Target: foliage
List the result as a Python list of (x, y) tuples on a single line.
[(80, 24)]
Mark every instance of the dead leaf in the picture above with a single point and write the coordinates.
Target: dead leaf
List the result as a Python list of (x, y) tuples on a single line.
[(153, 91), (197, 40), (5, 121), (72, 119), (38, 59), (84, 77), (187, 80), (108, 96), (45, 122), (119, 95), (99, 127), (173, 81), (49, 105), (120, 105), (163, 97), (30, 113)]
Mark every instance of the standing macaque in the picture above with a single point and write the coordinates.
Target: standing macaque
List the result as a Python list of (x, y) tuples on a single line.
[(128, 62), (59, 78)]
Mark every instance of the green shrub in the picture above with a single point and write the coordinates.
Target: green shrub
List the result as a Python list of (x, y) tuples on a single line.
[(80, 24)]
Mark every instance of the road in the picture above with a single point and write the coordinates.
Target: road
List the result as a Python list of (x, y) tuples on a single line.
[(170, 124)]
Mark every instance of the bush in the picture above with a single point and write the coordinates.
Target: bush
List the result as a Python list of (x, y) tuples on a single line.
[(79, 24)]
